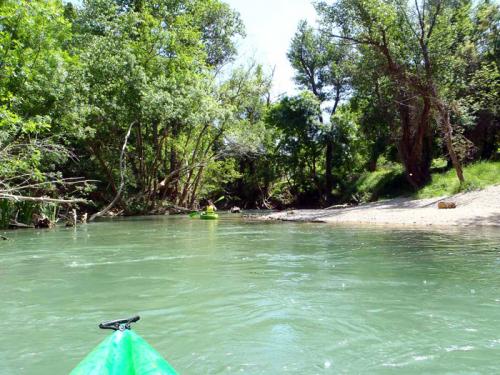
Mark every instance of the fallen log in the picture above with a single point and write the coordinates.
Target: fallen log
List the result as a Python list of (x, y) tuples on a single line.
[(41, 199), (16, 225)]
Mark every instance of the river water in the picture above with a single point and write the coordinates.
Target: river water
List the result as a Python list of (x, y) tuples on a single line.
[(232, 297)]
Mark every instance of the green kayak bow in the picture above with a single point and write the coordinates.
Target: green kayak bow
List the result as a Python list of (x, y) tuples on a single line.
[(123, 353)]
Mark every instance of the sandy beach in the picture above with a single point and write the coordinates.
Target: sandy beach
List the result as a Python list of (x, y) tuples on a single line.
[(476, 208)]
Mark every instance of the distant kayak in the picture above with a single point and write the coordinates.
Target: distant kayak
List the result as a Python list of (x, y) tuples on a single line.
[(209, 216), (123, 353), (204, 215)]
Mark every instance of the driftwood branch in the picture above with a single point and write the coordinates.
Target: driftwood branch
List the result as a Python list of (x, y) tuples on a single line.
[(123, 165), (15, 224), (65, 182), (40, 199)]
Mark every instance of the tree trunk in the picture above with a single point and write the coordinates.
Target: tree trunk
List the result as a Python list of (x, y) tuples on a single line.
[(329, 147), (196, 186), (172, 191), (328, 168), (372, 163), (448, 138), (140, 154), (415, 145), (188, 184)]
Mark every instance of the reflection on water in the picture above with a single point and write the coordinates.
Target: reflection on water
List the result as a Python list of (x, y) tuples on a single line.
[(228, 296)]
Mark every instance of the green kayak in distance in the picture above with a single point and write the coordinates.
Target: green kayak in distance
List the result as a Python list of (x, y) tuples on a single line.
[(204, 215), (124, 353), (209, 216)]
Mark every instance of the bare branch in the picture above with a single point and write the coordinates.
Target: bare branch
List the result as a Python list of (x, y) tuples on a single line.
[(403, 11), (434, 19), (421, 20), (66, 182), (354, 40), (123, 165), (21, 198)]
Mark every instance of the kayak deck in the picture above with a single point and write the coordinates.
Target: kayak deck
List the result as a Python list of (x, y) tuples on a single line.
[(124, 353)]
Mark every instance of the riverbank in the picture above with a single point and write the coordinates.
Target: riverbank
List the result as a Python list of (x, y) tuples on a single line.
[(476, 208)]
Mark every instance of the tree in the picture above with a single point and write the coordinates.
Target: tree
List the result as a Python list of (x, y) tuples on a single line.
[(219, 25), (33, 71), (477, 80), (321, 66), (298, 149), (153, 65), (413, 42), (248, 140)]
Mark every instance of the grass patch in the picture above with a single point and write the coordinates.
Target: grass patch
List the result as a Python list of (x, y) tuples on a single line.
[(388, 181), (477, 176)]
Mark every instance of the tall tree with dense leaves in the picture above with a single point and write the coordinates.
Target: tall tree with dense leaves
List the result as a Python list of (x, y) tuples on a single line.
[(321, 66), (414, 42), (34, 64), (151, 66), (299, 148), (476, 81)]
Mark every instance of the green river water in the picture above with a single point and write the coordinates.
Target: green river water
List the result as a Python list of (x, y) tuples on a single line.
[(232, 296)]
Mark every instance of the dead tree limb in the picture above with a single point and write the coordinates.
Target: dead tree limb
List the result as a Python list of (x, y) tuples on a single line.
[(40, 199), (123, 165)]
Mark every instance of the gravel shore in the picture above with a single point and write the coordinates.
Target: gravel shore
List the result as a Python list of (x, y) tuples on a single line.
[(476, 208)]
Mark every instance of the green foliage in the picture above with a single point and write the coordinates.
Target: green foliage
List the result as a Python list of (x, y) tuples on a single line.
[(349, 145), (321, 65), (24, 211), (299, 130), (6, 212), (75, 78), (49, 210), (388, 181), (417, 62), (152, 66), (477, 176), (219, 174), (219, 25), (34, 70)]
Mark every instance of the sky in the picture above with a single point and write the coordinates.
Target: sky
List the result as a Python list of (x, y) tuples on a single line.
[(270, 26)]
